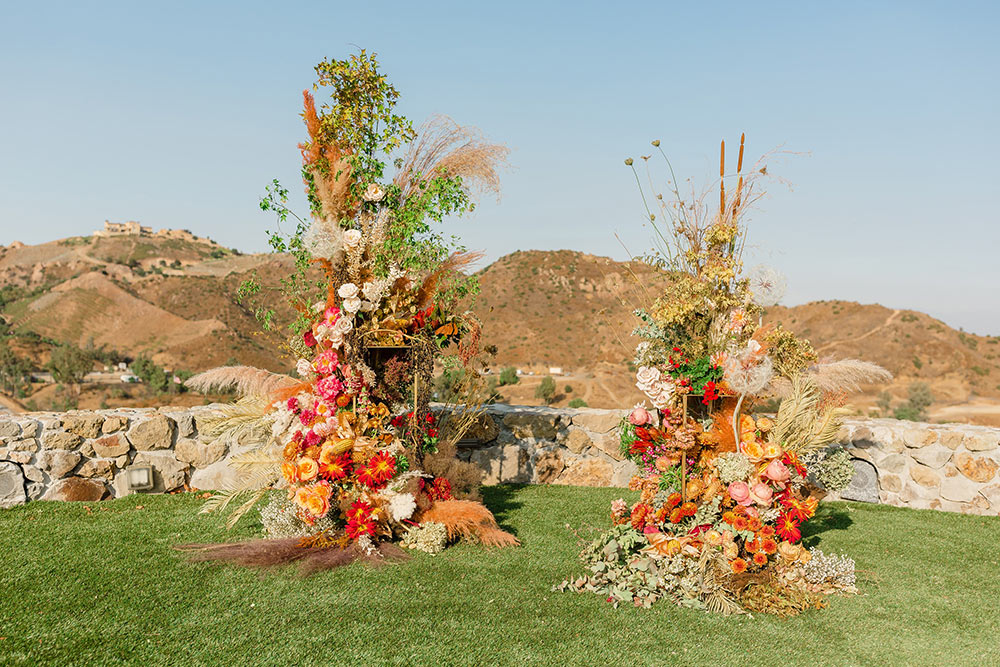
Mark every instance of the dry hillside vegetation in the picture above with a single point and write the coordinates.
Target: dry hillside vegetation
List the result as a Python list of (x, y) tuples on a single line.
[(175, 301)]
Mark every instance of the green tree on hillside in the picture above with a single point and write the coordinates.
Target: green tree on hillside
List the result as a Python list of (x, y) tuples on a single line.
[(546, 390), (14, 372), (69, 364), (508, 376)]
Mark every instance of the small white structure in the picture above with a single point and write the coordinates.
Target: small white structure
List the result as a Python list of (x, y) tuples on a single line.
[(555, 370)]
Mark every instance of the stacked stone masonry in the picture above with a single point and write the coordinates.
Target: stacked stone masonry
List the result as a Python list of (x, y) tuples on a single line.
[(83, 455)]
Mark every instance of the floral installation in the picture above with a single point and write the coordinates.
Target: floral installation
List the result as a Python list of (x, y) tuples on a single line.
[(361, 461), (723, 491)]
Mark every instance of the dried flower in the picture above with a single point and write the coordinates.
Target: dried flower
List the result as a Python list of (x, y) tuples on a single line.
[(767, 285)]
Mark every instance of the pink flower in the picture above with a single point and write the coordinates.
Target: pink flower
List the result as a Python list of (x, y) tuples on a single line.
[(618, 507), (761, 493), (330, 315), (326, 362), (639, 417), (777, 471), (752, 512), (312, 438), (329, 388), (740, 492)]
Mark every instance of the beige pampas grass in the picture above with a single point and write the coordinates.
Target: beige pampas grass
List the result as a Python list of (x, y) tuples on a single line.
[(443, 147), (246, 380), (846, 375)]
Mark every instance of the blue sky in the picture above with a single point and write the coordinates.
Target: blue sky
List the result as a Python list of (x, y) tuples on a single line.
[(178, 114)]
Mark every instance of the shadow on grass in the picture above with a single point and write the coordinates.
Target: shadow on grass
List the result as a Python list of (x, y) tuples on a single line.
[(828, 517), (500, 500)]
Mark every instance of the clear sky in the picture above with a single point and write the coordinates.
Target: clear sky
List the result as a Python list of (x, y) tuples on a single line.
[(178, 114)]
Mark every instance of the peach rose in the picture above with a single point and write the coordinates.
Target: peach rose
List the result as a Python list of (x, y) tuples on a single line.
[(740, 492), (777, 471), (302, 496), (761, 494), (772, 450), (289, 472), (713, 538), (639, 417), (308, 469), (752, 450)]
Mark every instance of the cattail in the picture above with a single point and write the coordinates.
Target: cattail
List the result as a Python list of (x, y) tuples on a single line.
[(722, 183)]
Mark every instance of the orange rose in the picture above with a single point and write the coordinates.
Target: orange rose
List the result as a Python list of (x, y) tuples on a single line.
[(289, 472), (302, 497), (308, 469), (317, 504), (291, 450), (753, 450)]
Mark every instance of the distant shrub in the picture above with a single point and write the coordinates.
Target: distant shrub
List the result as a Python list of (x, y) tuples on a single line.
[(909, 317), (578, 403), (916, 362), (968, 341), (546, 389), (568, 389), (979, 370), (508, 376)]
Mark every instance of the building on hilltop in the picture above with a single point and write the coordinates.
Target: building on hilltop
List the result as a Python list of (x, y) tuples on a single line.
[(130, 228), (133, 228)]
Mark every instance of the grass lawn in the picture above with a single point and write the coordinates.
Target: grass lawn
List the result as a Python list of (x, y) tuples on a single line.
[(103, 586)]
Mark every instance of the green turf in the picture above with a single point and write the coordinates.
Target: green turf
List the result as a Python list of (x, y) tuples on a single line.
[(104, 587)]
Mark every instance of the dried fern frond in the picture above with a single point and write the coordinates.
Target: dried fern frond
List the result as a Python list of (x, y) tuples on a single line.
[(246, 380), (455, 262), (236, 422)]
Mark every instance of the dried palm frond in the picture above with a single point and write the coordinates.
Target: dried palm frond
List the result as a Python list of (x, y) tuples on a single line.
[(845, 375), (236, 422), (469, 520), (251, 486), (445, 148), (801, 425), (713, 574), (246, 380)]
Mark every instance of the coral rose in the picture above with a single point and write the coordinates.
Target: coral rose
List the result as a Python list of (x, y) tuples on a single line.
[(777, 471), (740, 492), (752, 450)]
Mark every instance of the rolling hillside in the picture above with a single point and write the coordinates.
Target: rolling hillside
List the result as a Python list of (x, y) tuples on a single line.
[(174, 300)]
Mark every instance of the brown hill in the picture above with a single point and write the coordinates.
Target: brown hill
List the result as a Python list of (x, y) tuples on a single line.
[(563, 313)]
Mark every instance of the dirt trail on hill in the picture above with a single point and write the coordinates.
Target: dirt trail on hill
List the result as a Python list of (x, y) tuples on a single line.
[(889, 320)]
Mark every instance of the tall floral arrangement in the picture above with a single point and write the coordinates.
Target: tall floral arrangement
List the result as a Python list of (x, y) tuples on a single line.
[(723, 491), (361, 460)]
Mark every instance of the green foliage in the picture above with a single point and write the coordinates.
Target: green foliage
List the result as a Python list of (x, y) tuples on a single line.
[(568, 389), (69, 364), (15, 372), (916, 362), (968, 341), (509, 376), (884, 401), (980, 371), (915, 408), (546, 389), (578, 403)]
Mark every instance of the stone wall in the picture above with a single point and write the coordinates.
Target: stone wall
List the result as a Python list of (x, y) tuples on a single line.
[(82, 455)]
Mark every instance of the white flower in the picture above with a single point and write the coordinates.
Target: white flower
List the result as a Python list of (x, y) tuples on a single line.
[(374, 192), (767, 285), (324, 332), (304, 368), (647, 378), (401, 506), (367, 306), (348, 291), (351, 305), (662, 396), (352, 238), (343, 326)]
